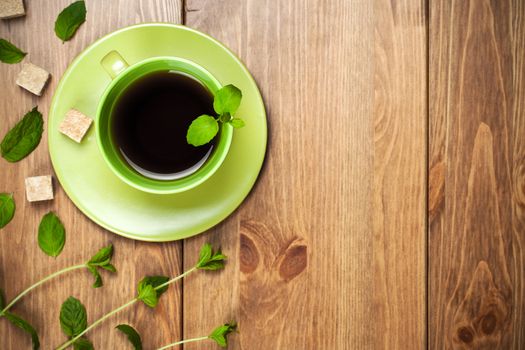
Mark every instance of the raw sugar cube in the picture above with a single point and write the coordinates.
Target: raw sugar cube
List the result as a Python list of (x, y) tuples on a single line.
[(39, 188), (11, 8), (32, 78), (75, 125)]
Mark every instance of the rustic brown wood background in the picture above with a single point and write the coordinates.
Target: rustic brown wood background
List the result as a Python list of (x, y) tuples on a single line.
[(390, 213)]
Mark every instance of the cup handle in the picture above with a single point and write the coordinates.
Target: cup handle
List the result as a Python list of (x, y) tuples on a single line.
[(114, 64)]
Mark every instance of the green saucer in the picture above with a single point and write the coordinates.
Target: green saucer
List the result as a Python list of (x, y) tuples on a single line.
[(113, 204)]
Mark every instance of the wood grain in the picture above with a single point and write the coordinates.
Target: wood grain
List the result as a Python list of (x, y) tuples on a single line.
[(476, 185), (328, 252), (21, 261)]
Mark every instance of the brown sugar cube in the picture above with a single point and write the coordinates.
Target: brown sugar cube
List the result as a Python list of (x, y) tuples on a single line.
[(32, 78), (75, 125), (11, 8), (39, 188)]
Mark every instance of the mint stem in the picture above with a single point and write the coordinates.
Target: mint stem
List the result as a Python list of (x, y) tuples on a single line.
[(183, 342), (42, 281), (111, 313)]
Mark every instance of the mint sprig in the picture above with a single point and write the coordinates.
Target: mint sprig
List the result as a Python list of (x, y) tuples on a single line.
[(4, 309), (225, 103), (219, 335), (150, 288)]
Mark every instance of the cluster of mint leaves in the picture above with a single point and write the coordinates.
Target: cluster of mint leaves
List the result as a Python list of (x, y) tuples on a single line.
[(205, 127), (73, 315), (102, 259)]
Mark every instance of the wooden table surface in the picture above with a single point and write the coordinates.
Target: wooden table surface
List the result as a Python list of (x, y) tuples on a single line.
[(390, 212)]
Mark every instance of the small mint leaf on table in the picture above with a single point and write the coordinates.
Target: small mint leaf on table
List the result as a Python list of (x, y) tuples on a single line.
[(9, 53), (70, 19), (148, 295), (102, 257), (73, 317), (25, 326), (51, 235), (202, 130), (23, 138), (82, 344), (210, 260), (98, 279), (102, 260), (132, 335), (109, 268), (237, 123), (148, 290), (220, 334), (227, 100), (7, 209)]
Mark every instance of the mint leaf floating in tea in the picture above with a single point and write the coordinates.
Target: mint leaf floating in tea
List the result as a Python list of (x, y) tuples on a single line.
[(25, 326), (7, 209), (225, 103), (24, 137), (202, 130), (70, 19), (219, 335), (132, 334), (51, 235), (150, 288), (9, 53)]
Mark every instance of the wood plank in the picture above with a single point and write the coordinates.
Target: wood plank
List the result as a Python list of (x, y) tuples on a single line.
[(21, 261), (476, 185), (328, 252)]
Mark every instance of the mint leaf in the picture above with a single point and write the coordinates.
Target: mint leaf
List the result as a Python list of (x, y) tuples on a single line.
[(73, 317), (147, 292), (7, 208), (2, 300), (9, 53), (70, 19), (237, 123), (25, 326), (156, 281), (204, 254), (102, 257), (101, 260), (98, 279), (148, 295), (227, 100), (82, 344), (209, 260), (202, 130), (23, 138), (132, 334), (51, 235), (219, 334), (109, 268)]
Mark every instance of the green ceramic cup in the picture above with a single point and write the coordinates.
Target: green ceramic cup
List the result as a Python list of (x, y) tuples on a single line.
[(122, 76)]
